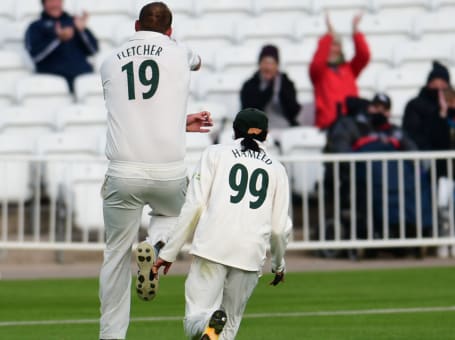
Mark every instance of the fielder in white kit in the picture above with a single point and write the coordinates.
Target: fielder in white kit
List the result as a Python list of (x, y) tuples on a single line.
[(237, 204), (146, 85)]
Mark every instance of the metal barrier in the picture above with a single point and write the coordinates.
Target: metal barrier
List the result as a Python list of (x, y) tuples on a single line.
[(343, 201)]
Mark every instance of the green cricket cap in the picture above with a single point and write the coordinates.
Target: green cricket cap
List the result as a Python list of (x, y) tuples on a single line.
[(251, 121)]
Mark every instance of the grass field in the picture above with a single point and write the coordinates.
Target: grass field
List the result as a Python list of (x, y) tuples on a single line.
[(375, 304)]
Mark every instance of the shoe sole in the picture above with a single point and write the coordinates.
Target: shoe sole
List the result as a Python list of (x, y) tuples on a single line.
[(146, 281), (216, 325)]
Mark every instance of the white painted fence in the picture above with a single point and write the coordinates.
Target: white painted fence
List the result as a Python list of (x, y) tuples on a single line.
[(54, 203)]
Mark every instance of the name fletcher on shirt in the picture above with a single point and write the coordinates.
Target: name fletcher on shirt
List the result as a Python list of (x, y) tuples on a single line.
[(262, 156), (140, 50)]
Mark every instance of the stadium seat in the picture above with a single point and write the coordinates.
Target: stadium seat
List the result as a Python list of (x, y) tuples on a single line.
[(391, 24), (221, 117), (85, 120), (104, 28), (88, 89), (67, 155), (31, 123), (7, 10), (223, 7), (12, 66), (219, 31), (435, 25), (123, 31), (177, 7), (15, 173), (45, 91), (261, 31), (222, 88), (402, 84), (368, 82), (303, 141), (195, 145), (103, 7), (296, 6), (422, 51), (85, 200), (336, 5), (297, 54), (235, 58), (403, 4), (12, 35)]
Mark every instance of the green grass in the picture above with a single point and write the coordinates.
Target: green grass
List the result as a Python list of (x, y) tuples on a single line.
[(302, 293)]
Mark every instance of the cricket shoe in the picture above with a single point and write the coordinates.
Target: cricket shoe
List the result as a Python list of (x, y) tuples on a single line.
[(146, 281), (216, 325)]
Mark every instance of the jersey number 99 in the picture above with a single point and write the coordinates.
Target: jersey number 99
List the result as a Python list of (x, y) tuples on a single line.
[(239, 180), (146, 79)]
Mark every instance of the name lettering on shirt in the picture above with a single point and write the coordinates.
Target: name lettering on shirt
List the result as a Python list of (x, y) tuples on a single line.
[(140, 50), (262, 156)]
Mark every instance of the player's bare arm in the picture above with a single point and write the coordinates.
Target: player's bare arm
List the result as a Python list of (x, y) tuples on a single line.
[(199, 122)]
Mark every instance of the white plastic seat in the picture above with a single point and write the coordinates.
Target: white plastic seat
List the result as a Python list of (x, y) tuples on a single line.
[(12, 35), (403, 4), (303, 141), (196, 143), (43, 90), (88, 89), (261, 31), (220, 115), (297, 55), (15, 173), (401, 84), (218, 30), (186, 7), (104, 27), (272, 6), (86, 201), (367, 82), (29, 122), (12, 67), (103, 7), (337, 5), (391, 24), (7, 10), (422, 51), (238, 57), (222, 88), (67, 155), (85, 120), (436, 24), (224, 7)]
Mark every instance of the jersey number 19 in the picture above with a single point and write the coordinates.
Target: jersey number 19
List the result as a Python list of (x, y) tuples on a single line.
[(149, 75)]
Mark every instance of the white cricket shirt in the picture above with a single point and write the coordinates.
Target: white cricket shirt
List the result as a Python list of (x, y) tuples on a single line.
[(146, 85), (239, 203)]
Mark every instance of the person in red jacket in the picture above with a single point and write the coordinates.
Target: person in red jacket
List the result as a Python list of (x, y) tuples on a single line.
[(332, 76)]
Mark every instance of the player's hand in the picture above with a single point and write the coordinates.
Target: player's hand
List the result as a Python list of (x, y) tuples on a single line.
[(199, 122), (356, 22), (279, 277), (81, 21), (161, 263)]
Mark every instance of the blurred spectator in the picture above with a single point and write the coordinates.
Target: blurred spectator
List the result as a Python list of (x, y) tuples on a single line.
[(59, 43), (271, 91), (332, 76), (449, 96), (425, 116)]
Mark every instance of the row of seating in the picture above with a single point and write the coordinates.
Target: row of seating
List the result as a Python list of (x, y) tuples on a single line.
[(16, 10)]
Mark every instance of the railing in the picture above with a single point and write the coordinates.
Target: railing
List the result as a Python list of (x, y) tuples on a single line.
[(343, 201)]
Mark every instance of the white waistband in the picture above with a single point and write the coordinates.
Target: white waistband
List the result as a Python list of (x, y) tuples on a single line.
[(162, 171)]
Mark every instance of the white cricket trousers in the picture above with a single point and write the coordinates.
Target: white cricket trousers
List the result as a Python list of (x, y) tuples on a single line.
[(123, 202), (211, 286)]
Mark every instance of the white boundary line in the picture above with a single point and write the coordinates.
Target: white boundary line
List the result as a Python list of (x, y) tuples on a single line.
[(247, 316)]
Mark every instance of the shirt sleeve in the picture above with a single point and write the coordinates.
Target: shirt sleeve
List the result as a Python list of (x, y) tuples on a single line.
[(89, 42), (195, 204), (319, 62), (281, 223), (40, 41), (362, 54)]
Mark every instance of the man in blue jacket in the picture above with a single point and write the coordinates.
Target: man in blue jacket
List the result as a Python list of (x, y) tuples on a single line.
[(59, 43)]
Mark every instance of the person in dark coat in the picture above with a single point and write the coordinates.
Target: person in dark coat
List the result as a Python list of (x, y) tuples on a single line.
[(272, 91), (425, 114), (59, 43)]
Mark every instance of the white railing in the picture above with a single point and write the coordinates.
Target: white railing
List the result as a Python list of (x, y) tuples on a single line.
[(54, 203)]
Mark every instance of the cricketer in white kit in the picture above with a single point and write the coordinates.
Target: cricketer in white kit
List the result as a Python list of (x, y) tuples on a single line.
[(146, 85), (237, 204)]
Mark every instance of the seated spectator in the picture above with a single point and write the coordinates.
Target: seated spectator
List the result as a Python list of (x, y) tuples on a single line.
[(425, 117), (59, 43), (271, 91), (334, 78), (425, 114)]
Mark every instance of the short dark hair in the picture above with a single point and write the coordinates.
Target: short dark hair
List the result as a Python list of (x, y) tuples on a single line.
[(156, 17)]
